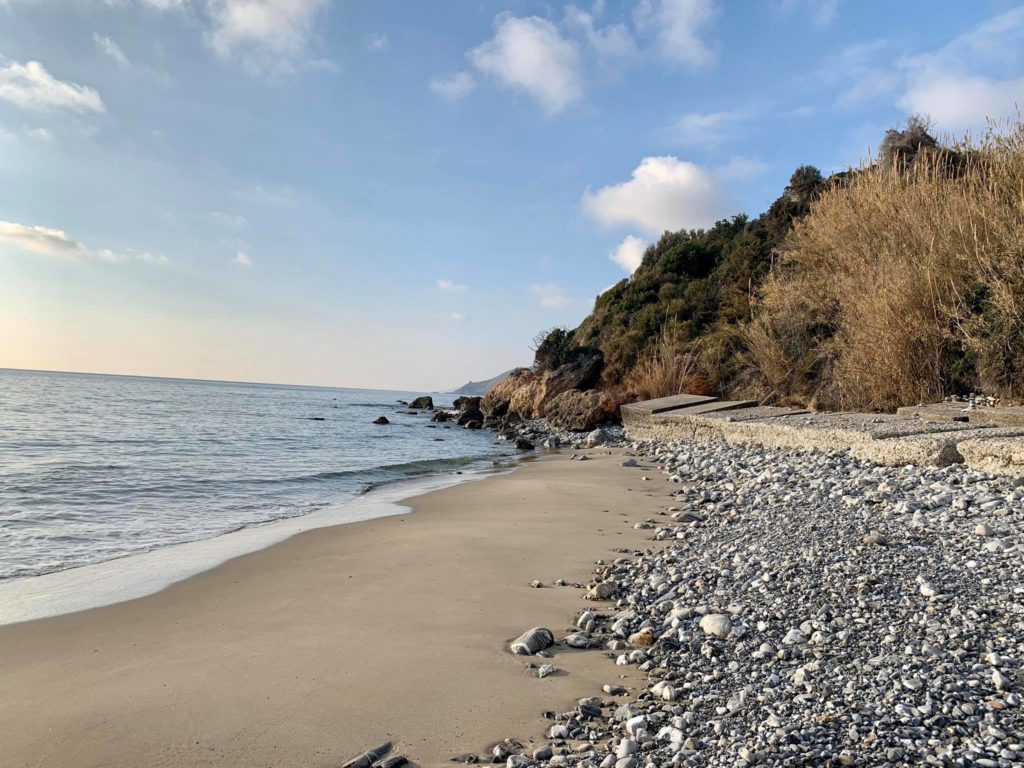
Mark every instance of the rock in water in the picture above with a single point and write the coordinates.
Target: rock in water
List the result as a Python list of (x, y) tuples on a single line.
[(531, 641), (369, 757), (716, 624), (464, 403), (522, 444), (468, 416), (425, 403), (381, 420)]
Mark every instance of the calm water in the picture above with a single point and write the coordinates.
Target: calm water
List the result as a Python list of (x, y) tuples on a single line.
[(98, 467)]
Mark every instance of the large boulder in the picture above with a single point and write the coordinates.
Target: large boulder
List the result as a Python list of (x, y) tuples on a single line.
[(425, 403), (496, 402), (576, 411), (582, 373), (466, 403)]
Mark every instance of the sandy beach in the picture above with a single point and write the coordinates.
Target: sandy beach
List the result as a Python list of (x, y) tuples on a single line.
[(317, 648)]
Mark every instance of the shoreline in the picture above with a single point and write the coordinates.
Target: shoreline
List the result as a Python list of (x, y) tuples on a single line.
[(133, 576), (290, 645)]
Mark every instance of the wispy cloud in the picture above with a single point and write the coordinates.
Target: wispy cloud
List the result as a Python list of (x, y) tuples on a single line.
[(41, 134), (551, 296), (232, 220), (455, 87), (456, 317), (46, 241), (31, 86), (451, 286), (977, 75), (109, 47), (677, 27), (822, 12), (706, 130), (612, 41), (242, 259), (376, 42), (272, 196)]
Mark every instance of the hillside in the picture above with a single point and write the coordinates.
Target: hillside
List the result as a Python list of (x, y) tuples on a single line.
[(897, 282)]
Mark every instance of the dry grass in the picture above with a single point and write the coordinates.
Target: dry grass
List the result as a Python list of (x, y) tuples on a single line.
[(670, 369), (902, 285)]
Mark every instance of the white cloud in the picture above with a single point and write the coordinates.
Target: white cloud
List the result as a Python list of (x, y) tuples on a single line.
[(30, 86), (242, 259), (46, 241), (451, 286), (550, 296), (109, 47), (530, 54), (457, 317), (41, 134), (455, 87), (629, 254), (977, 75), (676, 25), (706, 129), (376, 41), (663, 193), (264, 34), (613, 41)]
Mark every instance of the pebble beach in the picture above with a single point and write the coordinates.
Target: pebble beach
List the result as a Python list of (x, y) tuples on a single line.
[(615, 604)]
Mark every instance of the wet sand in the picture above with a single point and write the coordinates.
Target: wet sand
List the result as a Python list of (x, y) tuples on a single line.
[(312, 650)]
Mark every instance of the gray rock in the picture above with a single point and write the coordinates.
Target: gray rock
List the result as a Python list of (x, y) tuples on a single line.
[(531, 641), (716, 624)]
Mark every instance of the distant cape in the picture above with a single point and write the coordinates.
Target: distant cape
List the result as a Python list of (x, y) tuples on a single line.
[(474, 388)]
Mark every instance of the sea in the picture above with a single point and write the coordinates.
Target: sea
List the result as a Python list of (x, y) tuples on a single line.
[(98, 468)]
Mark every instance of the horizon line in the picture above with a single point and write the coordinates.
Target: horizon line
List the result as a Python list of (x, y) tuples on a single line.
[(213, 381)]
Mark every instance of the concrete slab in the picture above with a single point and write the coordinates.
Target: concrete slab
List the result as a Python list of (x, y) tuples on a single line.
[(1012, 416), (934, 412), (880, 438), (998, 450), (712, 407), (758, 412), (664, 404)]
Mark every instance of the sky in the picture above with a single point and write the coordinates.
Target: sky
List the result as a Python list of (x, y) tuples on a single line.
[(401, 194)]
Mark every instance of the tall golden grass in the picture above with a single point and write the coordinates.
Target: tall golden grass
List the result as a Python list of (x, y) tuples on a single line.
[(670, 369), (903, 284)]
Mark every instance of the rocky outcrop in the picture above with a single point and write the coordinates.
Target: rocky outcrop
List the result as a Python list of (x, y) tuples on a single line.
[(381, 420), (582, 374), (580, 411), (495, 403), (564, 395), (425, 403)]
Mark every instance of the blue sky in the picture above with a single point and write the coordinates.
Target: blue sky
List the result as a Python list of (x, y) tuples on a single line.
[(400, 194)]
